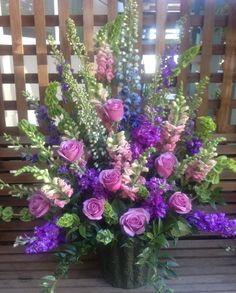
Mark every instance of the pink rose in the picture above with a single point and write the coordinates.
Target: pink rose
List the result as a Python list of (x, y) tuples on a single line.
[(71, 150), (180, 203), (133, 222), (114, 109), (165, 164), (110, 179), (93, 208), (39, 205)]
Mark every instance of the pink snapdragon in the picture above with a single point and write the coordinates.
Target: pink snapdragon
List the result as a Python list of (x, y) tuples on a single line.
[(61, 194), (198, 170), (105, 64), (170, 135)]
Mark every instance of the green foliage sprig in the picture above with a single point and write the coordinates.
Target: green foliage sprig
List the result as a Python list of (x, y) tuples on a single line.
[(205, 127), (179, 109), (186, 59), (37, 138), (39, 174)]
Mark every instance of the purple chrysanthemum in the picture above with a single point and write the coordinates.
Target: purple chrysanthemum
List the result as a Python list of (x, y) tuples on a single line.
[(45, 238), (217, 223), (193, 146)]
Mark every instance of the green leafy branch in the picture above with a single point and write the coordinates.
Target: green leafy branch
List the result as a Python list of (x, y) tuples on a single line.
[(39, 174), (37, 139), (186, 59), (17, 190), (66, 124)]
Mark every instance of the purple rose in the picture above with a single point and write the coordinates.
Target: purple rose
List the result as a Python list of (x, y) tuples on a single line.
[(114, 109), (93, 208), (165, 164), (71, 150), (110, 179), (180, 203), (39, 204), (133, 222)]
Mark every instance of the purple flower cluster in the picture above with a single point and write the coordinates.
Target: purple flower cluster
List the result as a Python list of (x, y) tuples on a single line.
[(155, 203), (193, 146), (89, 182), (217, 223), (45, 238), (146, 134), (167, 67), (44, 120)]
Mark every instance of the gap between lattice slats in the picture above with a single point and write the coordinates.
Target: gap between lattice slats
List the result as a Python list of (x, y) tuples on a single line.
[(223, 114), (18, 60), (41, 47)]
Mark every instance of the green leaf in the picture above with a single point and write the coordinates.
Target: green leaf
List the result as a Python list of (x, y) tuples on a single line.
[(82, 231), (180, 229)]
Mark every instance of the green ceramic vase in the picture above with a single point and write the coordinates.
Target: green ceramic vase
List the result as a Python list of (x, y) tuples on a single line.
[(119, 266)]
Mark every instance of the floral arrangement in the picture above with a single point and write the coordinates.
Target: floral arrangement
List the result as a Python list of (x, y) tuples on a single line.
[(136, 164)]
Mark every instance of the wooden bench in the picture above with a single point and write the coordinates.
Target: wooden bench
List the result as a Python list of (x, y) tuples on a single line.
[(204, 265)]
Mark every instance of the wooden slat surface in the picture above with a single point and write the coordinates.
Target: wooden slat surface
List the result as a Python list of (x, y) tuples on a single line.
[(18, 61), (206, 54), (41, 47), (161, 16), (88, 26), (63, 8), (229, 66), (112, 7)]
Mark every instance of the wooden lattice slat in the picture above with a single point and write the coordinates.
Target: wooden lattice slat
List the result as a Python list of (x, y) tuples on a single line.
[(63, 8), (161, 7), (2, 108), (112, 6), (206, 54), (229, 66), (18, 54), (41, 47), (88, 24), (185, 11)]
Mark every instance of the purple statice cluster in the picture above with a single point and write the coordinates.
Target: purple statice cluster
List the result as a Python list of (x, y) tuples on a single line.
[(146, 134), (193, 146), (89, 182), (45, 238), (44, 120), (168, 64), (155, 202), (217, 223)]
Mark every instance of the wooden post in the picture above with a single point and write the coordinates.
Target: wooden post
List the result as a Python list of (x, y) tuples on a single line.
[(88, 22)]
